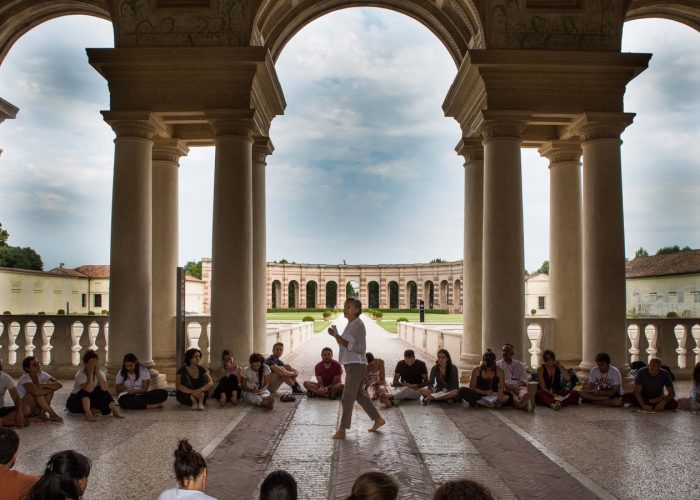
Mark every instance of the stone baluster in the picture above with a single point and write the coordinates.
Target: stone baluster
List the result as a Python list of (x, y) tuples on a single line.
[(695, 332), (681, 334), (12, 334), (633, 335), (47, 331), (30, 328), (534, 334), (76, 333), (651, 333)]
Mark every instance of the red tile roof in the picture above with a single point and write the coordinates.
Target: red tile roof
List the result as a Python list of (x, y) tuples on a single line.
[(87, 271), (686, 262)]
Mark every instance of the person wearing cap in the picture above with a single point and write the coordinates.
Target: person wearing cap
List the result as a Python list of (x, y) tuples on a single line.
[(516, 380), (486, 384)]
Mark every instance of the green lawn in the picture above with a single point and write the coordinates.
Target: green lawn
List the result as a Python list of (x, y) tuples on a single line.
[(319, 324), (388, 321)]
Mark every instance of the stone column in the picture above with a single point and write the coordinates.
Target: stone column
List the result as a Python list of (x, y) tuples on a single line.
[(565, 247), (130, 281), (166, 161), (262, 147), (232, 238), (503, 283), (603, 238), (473, 152)]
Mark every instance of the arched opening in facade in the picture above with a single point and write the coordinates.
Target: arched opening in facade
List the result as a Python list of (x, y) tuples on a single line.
[(331, 294), (393, 289), (352, 290), (412, 294), (373, 294), (293, 294), (457, 301), (444, 294), (311, 294), (276, 294), (429, 295)]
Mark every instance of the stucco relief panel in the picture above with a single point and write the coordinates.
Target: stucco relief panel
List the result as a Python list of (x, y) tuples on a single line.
[(554, 24)]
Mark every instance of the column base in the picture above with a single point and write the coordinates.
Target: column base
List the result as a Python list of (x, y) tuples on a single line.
[(467, 362), (166, 365)]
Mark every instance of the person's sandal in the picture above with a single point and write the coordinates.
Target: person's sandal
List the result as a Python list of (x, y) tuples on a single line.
[(287, 398)]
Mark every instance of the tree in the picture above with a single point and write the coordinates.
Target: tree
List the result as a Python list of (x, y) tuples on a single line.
[(193, 268), (544, 268), (673, 249), (284, 261), (16, 257), (438, 261), (641, 253), (4, 235)]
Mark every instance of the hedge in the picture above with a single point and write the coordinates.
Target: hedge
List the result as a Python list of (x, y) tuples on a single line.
[(296, 310), (308, 318)]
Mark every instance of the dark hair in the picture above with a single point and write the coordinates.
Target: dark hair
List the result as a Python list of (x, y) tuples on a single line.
[(256, 357), (448, 367), (696, 375), (489, 358), (276, 344), (374, 486), (509, 346), (189, 354), (356, 303), (89, 354), (225, 352), (548, 353), (188, 463), (326, 349), (603, 357), (130, 358), (462, 489), (408, 353), (26, 361), (279, 485), (9, 444), (369, 356), (61, 476), (637, 365)]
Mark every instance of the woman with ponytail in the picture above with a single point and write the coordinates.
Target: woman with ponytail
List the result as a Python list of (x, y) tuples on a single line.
[(190, 473), (65, 477)]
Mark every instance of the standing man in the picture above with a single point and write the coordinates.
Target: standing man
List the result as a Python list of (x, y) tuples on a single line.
[(604, 385), (282, 372), (328, 372), (410, 375), (516, 379), (11, 415), (649, 386)]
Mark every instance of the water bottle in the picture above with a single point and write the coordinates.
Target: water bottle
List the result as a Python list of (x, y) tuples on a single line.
[(693, 403)]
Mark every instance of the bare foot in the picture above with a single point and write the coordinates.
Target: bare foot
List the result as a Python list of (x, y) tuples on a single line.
[(95, 412), (222, 401), (339, 434), (234, 399), (154, 407), (90, 417), (116, 414), (377, 424)]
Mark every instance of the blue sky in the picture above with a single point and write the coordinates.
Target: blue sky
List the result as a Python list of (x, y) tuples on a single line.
[(364, 167)]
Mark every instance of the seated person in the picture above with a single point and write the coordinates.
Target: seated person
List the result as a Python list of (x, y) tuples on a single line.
[(635, 366), (485, 386), (460, 489), (190, 474), (9, 415), (604, 385), (132, 383), (552, 377), (649, 386), (255, 380), (229, 381), (279, 485), (13, 484), (90, 393), (36, 389), (65, 477), (692, 402), (328, 375), (282, 372), (410, 376), (443, 383), (374, 380), (375, 485), (516, 379), (192, 381)]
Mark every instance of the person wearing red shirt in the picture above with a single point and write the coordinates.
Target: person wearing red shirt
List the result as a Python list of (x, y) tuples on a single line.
[(328, 375)]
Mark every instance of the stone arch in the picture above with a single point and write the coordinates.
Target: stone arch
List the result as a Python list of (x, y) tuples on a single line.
[(293, 294), (20, 17), (352, 290), (311, 294), (456, 24), (331, 294), (373, 294), (681, 12), (412, 294), (276, 293), (429, 294), (393, 292)]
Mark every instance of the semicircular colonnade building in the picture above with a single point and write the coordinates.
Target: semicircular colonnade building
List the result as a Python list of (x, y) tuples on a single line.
[(546, 74)]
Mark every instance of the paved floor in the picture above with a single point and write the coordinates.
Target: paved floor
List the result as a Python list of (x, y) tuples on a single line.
[(582, 452)]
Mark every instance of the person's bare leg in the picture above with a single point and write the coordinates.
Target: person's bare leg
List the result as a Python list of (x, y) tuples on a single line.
[(222, 399), (313, 388), (44, 403), (234, 398), (377, 424), (115, 411), (90, 413)]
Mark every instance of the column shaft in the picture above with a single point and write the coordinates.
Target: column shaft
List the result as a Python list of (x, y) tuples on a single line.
[(261, 148)]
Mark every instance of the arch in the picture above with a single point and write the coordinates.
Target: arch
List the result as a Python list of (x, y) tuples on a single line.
[(393, 289), (331, 294), (18, 17), (457, 300), (311, 294), (412, 294), (352, 290), (293, 294), (429, 294), (682, 11), (444, 294), (276, 294), (456, 24), (373, 294)]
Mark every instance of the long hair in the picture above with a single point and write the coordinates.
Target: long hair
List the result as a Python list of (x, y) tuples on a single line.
[(189, 354), (255, 357), (374, 486), (188, 462), (130, 358), (61, 476), (448, 366)]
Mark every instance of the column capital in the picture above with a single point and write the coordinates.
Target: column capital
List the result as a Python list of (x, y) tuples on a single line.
[(471, 148), (140, 124), (503, 123), (235, 122), (262, 148), (7, 110), (591, 126), (169, 150), (561, 151)]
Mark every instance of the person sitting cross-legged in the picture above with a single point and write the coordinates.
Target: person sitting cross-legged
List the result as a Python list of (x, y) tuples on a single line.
[(281, 371), (255, 381), (486, 384), (604, 385), (133, 381), (90, 390), (192, 381), (229, 380), (374, 380), (328, 375), (14, 485), (443, 383), (649, 386), (17, 414), (36, 389), (516, 380), (410, 375), (552, 377)]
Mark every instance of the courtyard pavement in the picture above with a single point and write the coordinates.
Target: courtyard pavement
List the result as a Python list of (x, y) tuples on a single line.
[(583, 452)]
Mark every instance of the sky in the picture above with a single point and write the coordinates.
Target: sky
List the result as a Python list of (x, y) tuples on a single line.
[(364, 169)]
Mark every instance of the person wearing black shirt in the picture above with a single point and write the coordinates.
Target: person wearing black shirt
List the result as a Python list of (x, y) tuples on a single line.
[(410, 375)]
